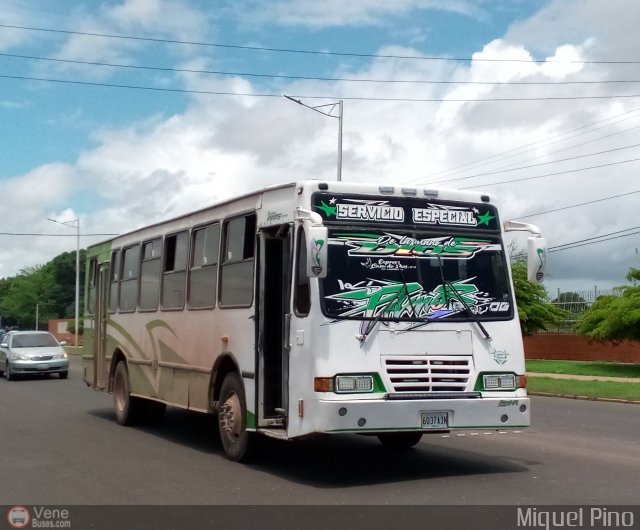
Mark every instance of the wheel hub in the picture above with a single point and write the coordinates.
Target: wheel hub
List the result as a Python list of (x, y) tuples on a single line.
[(230, 420)]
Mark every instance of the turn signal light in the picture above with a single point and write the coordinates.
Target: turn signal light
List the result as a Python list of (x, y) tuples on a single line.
[(323, 384)]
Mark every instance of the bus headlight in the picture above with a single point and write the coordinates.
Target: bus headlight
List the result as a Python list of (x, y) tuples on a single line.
[(354, 383), (345, 384), (499, 382)]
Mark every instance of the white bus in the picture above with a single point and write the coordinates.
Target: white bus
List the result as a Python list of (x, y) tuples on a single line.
[(315, 307)]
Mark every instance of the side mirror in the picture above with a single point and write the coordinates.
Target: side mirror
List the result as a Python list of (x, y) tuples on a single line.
[(536, 249), (63, 343), (4, 345), (536, 258), (316, 251), (316, 236)]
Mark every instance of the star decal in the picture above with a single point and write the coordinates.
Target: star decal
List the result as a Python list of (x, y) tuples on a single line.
[(484, 219), (328, 210)]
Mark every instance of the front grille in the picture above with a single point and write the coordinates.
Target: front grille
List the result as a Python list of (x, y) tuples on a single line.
[(41, 357), (428, 374)]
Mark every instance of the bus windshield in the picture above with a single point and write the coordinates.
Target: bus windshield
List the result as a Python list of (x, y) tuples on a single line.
[(408, 275)]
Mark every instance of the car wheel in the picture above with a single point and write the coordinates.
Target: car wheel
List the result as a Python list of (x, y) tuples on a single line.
[(238, 444), (8, 373), (128, 409), (399, 440), (63, 375)]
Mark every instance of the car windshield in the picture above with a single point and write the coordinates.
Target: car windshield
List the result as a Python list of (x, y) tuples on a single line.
[(415, 276), (34, 340)]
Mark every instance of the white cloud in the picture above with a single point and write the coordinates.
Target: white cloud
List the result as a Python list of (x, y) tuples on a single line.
[(311, 13)]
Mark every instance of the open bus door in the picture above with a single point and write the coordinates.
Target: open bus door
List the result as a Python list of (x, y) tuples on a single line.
[(101, 370), (274, 314)]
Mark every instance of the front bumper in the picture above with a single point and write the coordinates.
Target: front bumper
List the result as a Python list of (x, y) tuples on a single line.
[(371, 416), (52, 366)]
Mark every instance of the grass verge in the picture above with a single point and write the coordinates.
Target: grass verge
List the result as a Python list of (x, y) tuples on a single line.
[(605, 369), (591, 389)]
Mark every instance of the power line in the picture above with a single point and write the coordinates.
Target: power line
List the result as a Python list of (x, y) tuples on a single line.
[(314, 78), (50, 235), (594, 240), (537, 165), (307, 52), (577, 205), (552, 174), (531, 146), (308, 96)]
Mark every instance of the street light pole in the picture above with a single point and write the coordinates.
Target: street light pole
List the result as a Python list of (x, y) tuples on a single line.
[(328, 113), (77, 297)]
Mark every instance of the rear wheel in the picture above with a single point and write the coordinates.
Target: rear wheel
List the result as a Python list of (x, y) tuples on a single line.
[(238, 444), (128, 409), (399, 440)]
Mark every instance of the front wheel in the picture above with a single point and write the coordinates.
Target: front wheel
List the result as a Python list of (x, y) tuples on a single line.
[(128, 409), (238, 444), (400, 440), (8, 373)]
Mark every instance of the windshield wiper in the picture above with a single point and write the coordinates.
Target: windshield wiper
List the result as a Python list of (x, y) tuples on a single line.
[(372, 323), (448, 285)]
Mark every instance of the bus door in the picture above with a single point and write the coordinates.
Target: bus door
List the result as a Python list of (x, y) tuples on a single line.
[(101, 369), (274, 314)]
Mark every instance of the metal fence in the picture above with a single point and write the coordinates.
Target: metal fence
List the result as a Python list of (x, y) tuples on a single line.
[(576, 303)]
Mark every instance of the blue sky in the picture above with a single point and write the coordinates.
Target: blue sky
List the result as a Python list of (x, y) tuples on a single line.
[(120, 158)]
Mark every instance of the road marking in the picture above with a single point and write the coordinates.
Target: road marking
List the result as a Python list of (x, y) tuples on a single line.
[(463, 435)]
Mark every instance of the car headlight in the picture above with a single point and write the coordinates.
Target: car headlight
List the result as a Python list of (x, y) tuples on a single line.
[(21, 357)]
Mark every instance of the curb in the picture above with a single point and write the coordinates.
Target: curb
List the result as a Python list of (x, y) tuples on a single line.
[(584, 398)]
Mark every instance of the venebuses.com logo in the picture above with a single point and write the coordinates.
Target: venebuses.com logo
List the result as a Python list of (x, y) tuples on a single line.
[(18, 517), (38, 517)]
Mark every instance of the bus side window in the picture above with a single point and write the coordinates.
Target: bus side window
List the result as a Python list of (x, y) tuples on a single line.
[(150, 275), (236, 275), (174, 280), (93, 271), (302, 289), (115, 281), (203, 272), (129, 280)]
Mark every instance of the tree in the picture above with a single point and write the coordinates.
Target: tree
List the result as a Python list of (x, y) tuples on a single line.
[(31, 291), (534, 310), (614, 317), (50, 288)]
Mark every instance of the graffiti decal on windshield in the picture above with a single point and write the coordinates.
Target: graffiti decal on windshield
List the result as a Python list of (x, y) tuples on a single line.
[(399, 246), (395, 300)]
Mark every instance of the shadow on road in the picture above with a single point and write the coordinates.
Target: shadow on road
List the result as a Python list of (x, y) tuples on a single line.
[(333, 461)]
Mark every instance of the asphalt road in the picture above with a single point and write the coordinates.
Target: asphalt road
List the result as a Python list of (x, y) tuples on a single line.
[(60, 445)]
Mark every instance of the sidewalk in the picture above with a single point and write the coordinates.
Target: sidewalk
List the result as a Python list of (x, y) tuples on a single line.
[(586, 377)]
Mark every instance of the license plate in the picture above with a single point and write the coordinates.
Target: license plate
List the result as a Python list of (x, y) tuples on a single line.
[(435, 420), (43, 367)]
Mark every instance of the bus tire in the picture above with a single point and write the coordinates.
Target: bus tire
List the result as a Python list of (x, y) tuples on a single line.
[(128, 409), (238, 444), (400, 440)]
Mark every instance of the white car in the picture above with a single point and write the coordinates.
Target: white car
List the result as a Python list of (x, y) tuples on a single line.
[(32, 353)]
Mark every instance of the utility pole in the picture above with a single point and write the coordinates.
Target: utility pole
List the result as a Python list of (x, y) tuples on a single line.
[(77, 301), (329, 113)]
